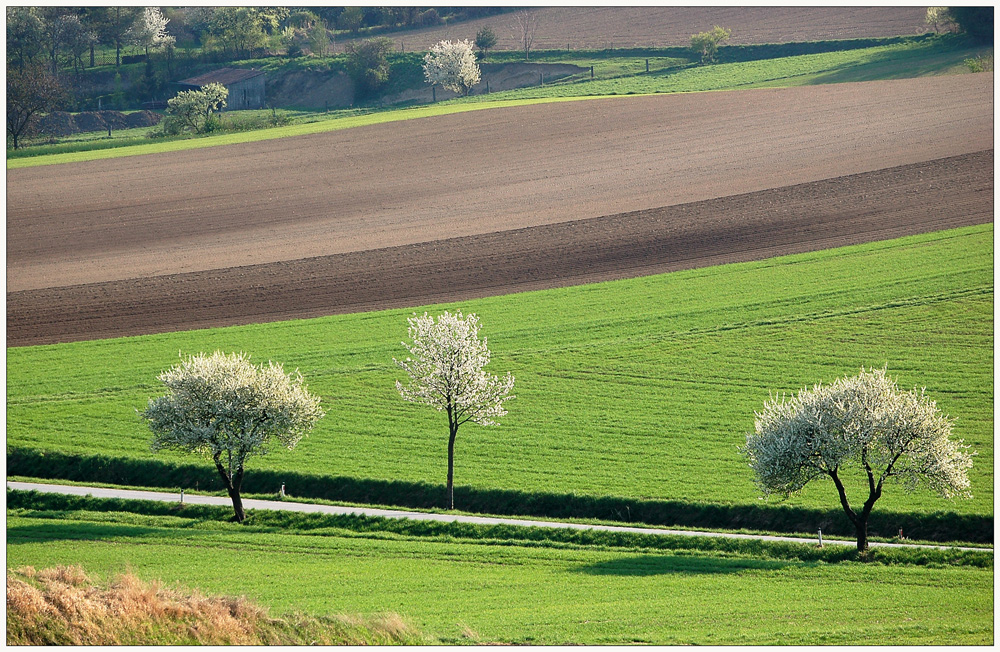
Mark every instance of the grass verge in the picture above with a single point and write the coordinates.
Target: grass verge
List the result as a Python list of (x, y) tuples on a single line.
[(502, 586)]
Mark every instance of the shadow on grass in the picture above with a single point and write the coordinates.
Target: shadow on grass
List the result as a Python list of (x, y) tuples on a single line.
[(80, 531), (895, 65), (647, 565)]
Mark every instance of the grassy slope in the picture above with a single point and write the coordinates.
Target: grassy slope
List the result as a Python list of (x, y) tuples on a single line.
[(884, 62), (527, 591), (640, 388)]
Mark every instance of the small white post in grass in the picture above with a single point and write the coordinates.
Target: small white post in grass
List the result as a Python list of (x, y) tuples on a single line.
[(182, 496), (282, 492), (820, 532)]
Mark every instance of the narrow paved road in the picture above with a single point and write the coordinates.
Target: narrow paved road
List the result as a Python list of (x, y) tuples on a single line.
[(418, 516)]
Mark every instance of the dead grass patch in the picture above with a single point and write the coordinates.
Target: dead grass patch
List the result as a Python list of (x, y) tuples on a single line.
[(65, 606)]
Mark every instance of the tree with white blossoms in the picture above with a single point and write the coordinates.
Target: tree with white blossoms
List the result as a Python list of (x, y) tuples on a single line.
[(864, 421), (446, 373), (452, 65), (150, 30), (226, 407), (193, 109)]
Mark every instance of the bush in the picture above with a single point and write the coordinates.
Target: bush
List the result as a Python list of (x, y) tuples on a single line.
[(982, 63), (368, 65)]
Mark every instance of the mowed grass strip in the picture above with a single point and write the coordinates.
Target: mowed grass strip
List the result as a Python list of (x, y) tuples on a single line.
[(461, 590), (641, 388)]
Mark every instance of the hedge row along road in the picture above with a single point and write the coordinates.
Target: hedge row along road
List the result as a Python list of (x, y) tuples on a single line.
[(488, 202), (252, 503)]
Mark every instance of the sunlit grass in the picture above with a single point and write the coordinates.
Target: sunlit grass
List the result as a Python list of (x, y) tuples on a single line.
[(522, 591), (641, 388)]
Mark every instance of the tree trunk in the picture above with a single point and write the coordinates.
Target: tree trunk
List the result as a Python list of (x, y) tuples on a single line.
[(233, 489), (860, 521), (450, 490), (861, 528)]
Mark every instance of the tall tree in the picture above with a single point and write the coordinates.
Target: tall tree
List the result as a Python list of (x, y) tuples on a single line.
[(864, 421), (149, 30), (115, 23), (524, 24), (446, 373), (232, 410), (25, 35), (30, 90)]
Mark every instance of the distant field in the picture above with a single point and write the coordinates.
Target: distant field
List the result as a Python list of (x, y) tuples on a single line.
[(641, 388), (614, 76), (521, 588), (884, 62), (660, 26)]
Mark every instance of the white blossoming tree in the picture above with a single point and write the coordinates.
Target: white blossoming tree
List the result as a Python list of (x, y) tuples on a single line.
[(446, 373), (193, 110), (452, 65), (226, 407), (149, 31), (864, 421)]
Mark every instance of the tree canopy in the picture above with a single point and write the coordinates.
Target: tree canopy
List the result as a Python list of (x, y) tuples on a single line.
[(230, 409), (863, 421), (452, 65)]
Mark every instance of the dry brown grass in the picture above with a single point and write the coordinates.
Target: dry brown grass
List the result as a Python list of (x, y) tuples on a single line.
[(64, 606)]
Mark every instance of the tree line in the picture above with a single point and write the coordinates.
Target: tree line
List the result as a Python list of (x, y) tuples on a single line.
[(223, 406)]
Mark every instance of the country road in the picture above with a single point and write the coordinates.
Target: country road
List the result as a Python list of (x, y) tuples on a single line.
[(166, 497)]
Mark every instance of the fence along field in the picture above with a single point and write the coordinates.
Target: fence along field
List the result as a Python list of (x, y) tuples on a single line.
[(692, 353)]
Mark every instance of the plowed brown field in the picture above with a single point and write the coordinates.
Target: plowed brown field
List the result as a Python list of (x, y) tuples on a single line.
[(488, 202), (623, 27)]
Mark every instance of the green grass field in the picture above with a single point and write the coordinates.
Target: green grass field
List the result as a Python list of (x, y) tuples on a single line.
[(641, 389), (614, 76), (530, 590)]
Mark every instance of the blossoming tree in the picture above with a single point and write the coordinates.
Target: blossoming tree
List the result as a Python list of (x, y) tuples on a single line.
[(446, 373), (231, 409), (865, 421), (452, 65)]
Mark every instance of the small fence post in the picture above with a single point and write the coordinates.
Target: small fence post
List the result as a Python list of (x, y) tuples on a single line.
[(487, 86), (647, 65), (434, 94), (540, 82), (282, 492), (182, 496), (820, 532), (592, 72)]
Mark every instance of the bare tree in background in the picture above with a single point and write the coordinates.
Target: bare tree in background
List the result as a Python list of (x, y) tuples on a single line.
[(524, 26)]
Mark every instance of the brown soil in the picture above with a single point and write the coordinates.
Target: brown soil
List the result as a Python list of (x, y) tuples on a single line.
[(623, 27), (488, 202)]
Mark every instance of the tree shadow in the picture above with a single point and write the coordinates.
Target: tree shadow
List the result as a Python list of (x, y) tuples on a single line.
[(646, 565)]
